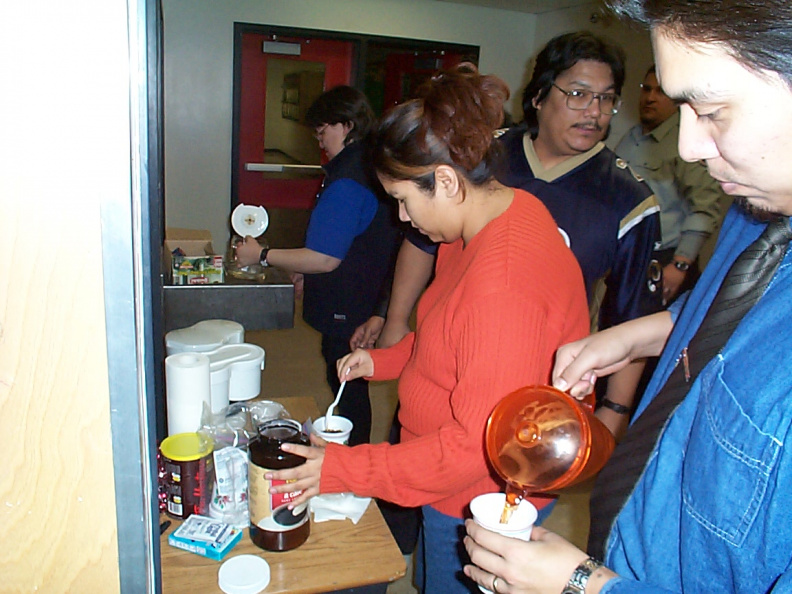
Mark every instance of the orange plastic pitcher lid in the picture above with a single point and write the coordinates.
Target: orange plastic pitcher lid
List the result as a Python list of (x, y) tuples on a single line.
[(185, 447)]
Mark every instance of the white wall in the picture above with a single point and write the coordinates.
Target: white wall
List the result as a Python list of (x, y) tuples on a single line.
[(198, 36)]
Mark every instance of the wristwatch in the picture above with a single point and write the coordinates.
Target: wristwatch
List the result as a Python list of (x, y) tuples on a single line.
[(263, 257), (580, 577), (681, 265)]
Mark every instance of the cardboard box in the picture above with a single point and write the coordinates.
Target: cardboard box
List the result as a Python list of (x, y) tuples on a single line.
[(190, 258)]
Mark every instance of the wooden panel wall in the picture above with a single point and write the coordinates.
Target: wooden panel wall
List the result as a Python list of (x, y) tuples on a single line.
[(57, 500), (64, 151)]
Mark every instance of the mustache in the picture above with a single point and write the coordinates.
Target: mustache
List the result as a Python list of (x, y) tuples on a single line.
[(590, 124)]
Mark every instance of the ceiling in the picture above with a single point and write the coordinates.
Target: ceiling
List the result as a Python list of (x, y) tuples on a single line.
[(531, 6)]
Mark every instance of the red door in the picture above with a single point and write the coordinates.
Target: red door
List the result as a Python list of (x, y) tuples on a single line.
[(274, 93), (404, 71)]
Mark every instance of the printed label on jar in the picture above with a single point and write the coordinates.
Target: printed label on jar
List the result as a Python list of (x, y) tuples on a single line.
[(269, 511), (175, 506)]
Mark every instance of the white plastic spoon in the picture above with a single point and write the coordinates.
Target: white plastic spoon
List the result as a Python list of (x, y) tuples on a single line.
[(330, 408)]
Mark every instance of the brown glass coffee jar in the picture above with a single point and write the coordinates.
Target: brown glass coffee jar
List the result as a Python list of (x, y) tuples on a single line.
[(273, 526)]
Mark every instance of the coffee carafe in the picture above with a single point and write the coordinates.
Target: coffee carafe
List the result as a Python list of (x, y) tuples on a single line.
[(540, 440)]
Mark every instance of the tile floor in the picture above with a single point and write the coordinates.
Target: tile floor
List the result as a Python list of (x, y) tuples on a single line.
[(294, 365)]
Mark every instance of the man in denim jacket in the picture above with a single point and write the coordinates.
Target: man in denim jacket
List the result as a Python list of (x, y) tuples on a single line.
[(711, 511)]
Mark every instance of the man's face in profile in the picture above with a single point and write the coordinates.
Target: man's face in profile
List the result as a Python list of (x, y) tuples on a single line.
[(736, 120)]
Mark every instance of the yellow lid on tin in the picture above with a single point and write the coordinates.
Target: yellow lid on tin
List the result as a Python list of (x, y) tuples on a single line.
[(184, 447)]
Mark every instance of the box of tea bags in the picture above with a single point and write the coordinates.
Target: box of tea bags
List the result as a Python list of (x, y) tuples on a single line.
[(205, 536)]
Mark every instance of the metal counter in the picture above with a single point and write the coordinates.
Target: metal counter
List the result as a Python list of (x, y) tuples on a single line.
[(257, 305)]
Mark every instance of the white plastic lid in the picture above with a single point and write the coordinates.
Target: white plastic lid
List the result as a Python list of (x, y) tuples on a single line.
[(204, 336), (243, 355), (244, 574), (249, 220)]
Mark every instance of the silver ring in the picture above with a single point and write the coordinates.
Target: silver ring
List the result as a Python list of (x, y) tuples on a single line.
[(495, 584)]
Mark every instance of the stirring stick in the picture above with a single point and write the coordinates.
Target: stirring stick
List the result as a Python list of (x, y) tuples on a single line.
[(330, 408)]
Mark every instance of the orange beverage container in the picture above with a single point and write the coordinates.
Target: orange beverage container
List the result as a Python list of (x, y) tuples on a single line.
[(540, 440)]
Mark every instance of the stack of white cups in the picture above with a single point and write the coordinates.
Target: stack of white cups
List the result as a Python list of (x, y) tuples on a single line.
[(188, 387)]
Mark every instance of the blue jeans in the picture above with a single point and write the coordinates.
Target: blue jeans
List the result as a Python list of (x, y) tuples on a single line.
[(545, 512), (441, 554)]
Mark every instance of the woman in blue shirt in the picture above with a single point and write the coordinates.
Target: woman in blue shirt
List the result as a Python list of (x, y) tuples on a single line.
[(350, 243)]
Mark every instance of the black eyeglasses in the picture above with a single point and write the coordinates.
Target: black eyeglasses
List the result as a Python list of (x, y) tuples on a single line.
[(578, 99), (320, 131)]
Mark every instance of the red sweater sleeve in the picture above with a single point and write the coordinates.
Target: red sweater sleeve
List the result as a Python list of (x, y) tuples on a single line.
[(388, 363)]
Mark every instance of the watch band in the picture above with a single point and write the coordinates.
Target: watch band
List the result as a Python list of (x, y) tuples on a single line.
[(580, 577), (263, 257), (681, 265), (619, 409)]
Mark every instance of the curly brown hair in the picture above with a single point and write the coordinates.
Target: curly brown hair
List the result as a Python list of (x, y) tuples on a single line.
[(450, 122)]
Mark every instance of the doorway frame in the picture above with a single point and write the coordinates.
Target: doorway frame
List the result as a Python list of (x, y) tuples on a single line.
[(132, 231), (360, 43)]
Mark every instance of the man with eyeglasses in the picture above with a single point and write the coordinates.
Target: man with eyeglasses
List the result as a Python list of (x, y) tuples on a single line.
[(690, 200), (609, 217)]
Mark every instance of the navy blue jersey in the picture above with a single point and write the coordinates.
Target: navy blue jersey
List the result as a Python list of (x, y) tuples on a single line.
[(610, 219), (419, 240)]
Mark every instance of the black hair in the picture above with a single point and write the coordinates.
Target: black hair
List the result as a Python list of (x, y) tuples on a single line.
[(342, 105), (757, 33), (559, 55)]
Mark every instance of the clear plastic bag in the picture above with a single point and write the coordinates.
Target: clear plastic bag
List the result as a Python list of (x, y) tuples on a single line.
[(232, 429)]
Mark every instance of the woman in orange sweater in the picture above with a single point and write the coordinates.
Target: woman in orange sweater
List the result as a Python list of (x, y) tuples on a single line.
[(507, 293)]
